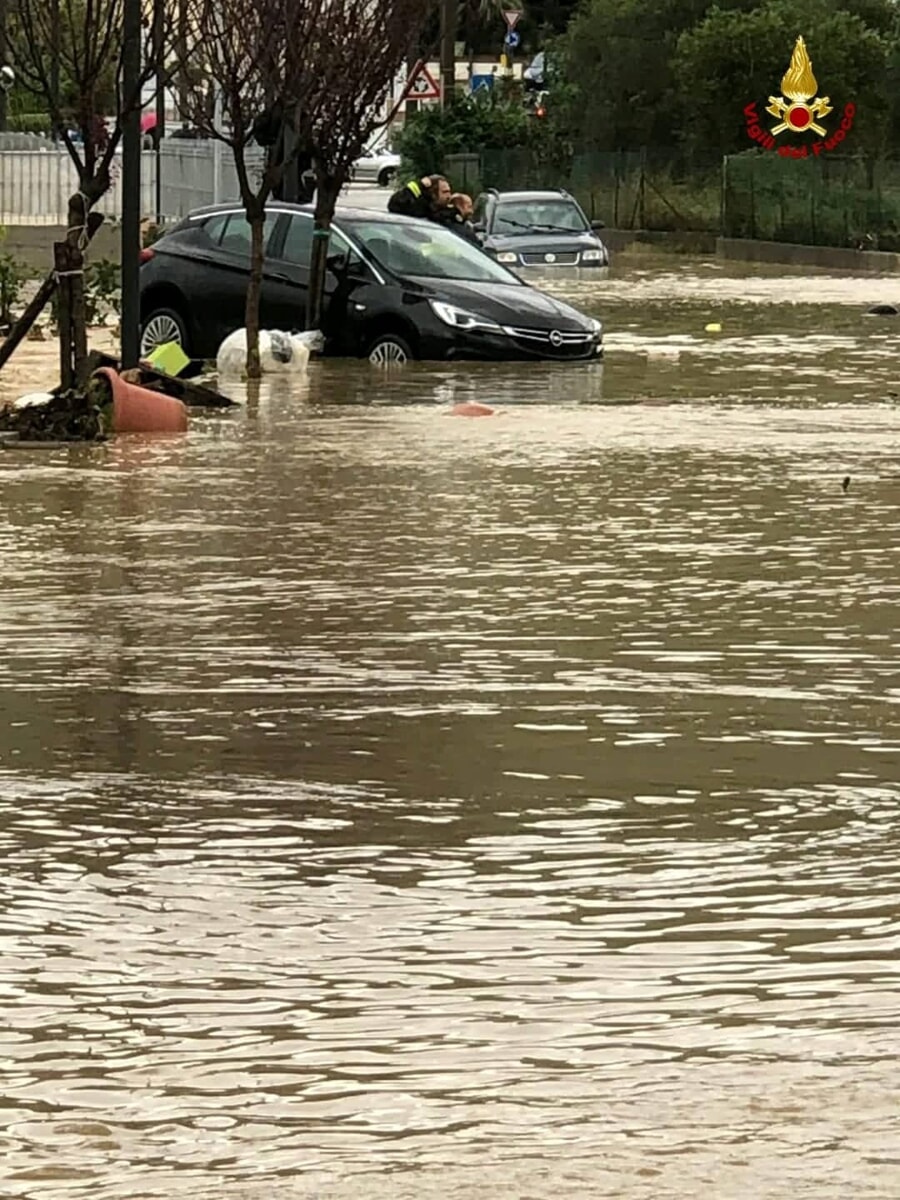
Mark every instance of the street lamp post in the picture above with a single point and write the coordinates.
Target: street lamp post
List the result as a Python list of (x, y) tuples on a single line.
[(449, 24), (7, 82), (131, 182)]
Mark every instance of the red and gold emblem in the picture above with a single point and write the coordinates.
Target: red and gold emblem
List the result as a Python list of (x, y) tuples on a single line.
[(799, 85)]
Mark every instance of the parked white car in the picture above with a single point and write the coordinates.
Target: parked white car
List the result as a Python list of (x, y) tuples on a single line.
[(377, 165)]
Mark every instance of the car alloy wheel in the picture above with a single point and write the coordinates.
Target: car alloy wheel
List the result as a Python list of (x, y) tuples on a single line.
[(162, 327), (389, 351), (386, 175)]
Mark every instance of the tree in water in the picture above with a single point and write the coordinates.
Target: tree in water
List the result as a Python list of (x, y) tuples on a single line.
[(347, 76), (240, 88), (70, 58)]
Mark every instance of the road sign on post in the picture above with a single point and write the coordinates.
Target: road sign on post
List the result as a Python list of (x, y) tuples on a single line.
[(511, 17), (512, 39), (422, 85)]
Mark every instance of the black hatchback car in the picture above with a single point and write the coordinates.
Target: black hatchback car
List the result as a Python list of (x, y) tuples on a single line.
[(397, 289), (538, 229)]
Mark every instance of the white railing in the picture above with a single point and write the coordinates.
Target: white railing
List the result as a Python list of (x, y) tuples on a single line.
[(35, 184)]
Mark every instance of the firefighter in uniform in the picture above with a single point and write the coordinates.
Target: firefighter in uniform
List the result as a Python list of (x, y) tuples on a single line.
[(426, 197)]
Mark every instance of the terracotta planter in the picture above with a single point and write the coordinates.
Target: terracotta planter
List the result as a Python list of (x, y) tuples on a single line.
[(137, 409)]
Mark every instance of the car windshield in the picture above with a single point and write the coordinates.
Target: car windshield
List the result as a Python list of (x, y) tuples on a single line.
[(538, 216), (425, 249)]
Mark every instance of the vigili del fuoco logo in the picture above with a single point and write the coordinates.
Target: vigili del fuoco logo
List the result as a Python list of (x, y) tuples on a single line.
[(801, 112)]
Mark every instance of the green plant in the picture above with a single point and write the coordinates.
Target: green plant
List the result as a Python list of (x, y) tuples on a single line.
[(13, 276), (103, 281), (29, 123), (469, 125)]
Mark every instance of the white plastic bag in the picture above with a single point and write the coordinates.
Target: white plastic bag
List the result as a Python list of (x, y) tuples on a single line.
[(279, 353), (33, 400)]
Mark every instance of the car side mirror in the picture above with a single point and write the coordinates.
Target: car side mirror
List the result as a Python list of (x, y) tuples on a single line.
[(337, 264), (598, 224)]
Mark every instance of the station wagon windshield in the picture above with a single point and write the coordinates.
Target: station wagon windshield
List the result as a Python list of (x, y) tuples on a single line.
[(428, 251), (538, 216)]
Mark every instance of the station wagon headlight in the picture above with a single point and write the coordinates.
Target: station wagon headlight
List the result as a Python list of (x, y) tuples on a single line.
[(591, 255), (507, 257), (460, 318)]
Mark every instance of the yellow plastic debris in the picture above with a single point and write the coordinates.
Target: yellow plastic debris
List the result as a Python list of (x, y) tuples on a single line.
[(714, 327), (169, 358)]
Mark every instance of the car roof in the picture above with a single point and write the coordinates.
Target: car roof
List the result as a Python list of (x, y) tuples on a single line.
[(549, 194), (341, 213)]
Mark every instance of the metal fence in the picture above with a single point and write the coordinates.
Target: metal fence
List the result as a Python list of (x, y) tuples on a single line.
[(642, 189), (37, 180), (816, 201), (828, 201), (825, 200)]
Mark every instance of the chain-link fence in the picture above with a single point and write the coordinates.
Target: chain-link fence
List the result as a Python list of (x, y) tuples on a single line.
[(825, 201), (644, 189)]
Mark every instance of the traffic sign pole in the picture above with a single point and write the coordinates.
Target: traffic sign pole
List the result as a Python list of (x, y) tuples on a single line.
[(511, 17)]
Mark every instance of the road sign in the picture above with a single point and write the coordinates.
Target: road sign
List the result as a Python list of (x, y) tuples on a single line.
[(511, 17), (421, 85), (512, 39)]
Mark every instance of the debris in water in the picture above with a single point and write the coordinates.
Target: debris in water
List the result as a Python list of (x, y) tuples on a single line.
[(279, 352), (846, 483), (68, 416), (471, 408)]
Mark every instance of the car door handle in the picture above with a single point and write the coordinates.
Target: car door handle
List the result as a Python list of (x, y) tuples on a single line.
[(280, 277)]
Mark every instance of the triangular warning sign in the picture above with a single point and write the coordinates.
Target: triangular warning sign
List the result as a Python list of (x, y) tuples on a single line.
[(421, 85), (511, 17)]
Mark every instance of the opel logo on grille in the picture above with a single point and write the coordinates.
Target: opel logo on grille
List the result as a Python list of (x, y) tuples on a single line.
[(549, 258), (555, 338)]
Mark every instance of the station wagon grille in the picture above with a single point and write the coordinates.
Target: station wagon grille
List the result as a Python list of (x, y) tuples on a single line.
[(563, 258)]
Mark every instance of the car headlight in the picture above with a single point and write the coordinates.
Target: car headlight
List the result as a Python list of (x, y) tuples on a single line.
[(508, 256), (591, 255), (596, 327), (460, 318)]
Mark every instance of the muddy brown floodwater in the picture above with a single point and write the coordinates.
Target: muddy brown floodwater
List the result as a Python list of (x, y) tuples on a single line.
[(395, 805)]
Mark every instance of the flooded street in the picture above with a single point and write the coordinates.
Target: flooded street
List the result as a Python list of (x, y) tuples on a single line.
[(400, 806)]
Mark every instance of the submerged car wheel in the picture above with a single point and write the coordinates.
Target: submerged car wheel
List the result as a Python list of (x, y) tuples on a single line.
[(385, 175), (389, 350), (161, 326)]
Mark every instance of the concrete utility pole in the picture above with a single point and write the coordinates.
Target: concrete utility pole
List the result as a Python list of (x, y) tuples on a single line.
[(449, 23)]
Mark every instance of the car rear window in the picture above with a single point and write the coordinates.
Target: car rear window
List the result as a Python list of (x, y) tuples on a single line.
[(231, 231)]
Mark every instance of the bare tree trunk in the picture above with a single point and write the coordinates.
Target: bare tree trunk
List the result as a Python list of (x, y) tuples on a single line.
[(327, 191), (254, 290)]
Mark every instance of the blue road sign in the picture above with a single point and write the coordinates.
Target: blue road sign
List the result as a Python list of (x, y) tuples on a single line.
[(512, 39)]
